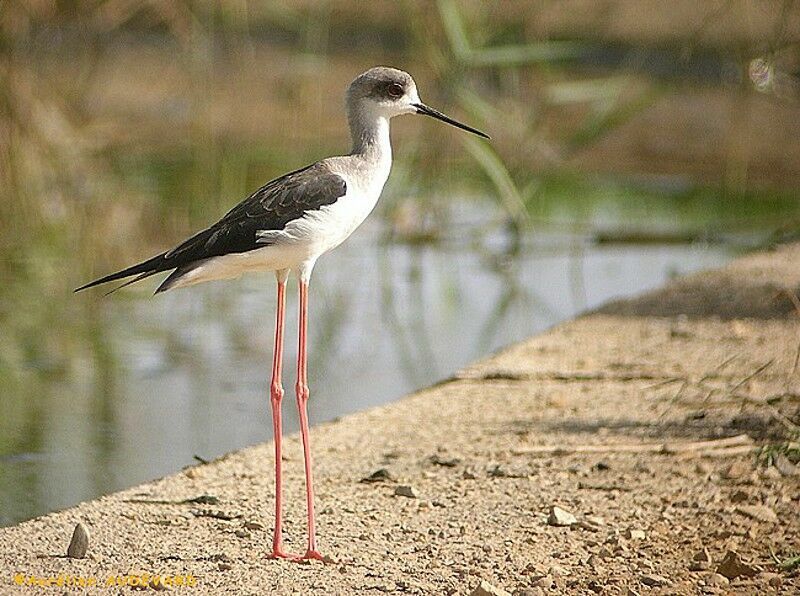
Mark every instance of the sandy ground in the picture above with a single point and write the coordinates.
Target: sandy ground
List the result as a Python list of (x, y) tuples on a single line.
[(600, 417)]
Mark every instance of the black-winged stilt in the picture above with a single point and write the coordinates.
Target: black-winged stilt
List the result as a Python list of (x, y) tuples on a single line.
[(286, 225)]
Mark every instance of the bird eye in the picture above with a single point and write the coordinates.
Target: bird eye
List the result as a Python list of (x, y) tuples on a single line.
[(395, 90)]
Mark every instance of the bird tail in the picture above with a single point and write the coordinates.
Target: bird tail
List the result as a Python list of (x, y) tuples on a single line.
[(142, 270)]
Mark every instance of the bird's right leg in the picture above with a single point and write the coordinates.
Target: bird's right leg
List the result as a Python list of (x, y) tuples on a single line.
[(276, 395)]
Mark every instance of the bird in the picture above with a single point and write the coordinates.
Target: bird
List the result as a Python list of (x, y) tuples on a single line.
[(285, 226)]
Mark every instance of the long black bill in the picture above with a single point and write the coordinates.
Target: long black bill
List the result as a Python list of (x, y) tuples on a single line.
[(428, 111)]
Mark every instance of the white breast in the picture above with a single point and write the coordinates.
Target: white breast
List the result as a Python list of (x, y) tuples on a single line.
[(323, 229)]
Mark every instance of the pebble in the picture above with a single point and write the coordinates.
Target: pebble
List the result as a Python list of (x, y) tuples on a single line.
[(468, 475), (546, 583), (253, 526), (732, 566), (529, 592), (223, 566), (760, 513), (80, 542), (158, 586), (242, 534), (595, 520), (405, 490), (594, 562), (635, 534), (560, 517), (773, 579), (699, 566), (487, 589), (379, 475), (703, 468), (701, 561), (653, 580), (716, 579), (736, 470), (739, 497), (438, 460), (604, 553), (784, 466), (499, 471)]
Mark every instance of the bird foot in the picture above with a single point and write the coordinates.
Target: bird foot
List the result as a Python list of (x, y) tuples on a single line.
[(311, 555), (317, 556), (278, 553)]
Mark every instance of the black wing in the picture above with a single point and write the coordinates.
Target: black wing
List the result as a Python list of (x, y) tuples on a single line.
[(271, 207)]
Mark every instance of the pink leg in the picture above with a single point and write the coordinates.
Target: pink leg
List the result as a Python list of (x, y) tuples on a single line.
[(302, 403), (276, 395)]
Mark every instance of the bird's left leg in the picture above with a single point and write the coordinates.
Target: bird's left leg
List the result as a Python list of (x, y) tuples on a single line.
[(302, 408), (276, 395)]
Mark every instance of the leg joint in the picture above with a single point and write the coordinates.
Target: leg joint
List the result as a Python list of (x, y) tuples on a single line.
[(302, 391)]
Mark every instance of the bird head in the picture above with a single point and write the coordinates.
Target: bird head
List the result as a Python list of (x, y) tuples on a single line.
[(389, 92)]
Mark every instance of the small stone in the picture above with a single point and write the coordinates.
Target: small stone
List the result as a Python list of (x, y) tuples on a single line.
[(202, 500), (446, 462), (242, 534), (784, 466), (739, 496), (223, 566), (635, 534), (653, 580), (701, 561), (534, 591), (604, 553), (468, 475), (703, 468), (405, 490), (379, 475), (716, 579), (760, 513), (560, 517), (699, 566), (736, 470), (595, 520), (158, 585), (80, 542), (773, 579), (594, 561), (487, 589), (546, 583), (732, 566), (253, 526), (771, 474)]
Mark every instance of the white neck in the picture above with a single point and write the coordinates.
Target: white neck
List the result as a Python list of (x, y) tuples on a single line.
[(371, 139)]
